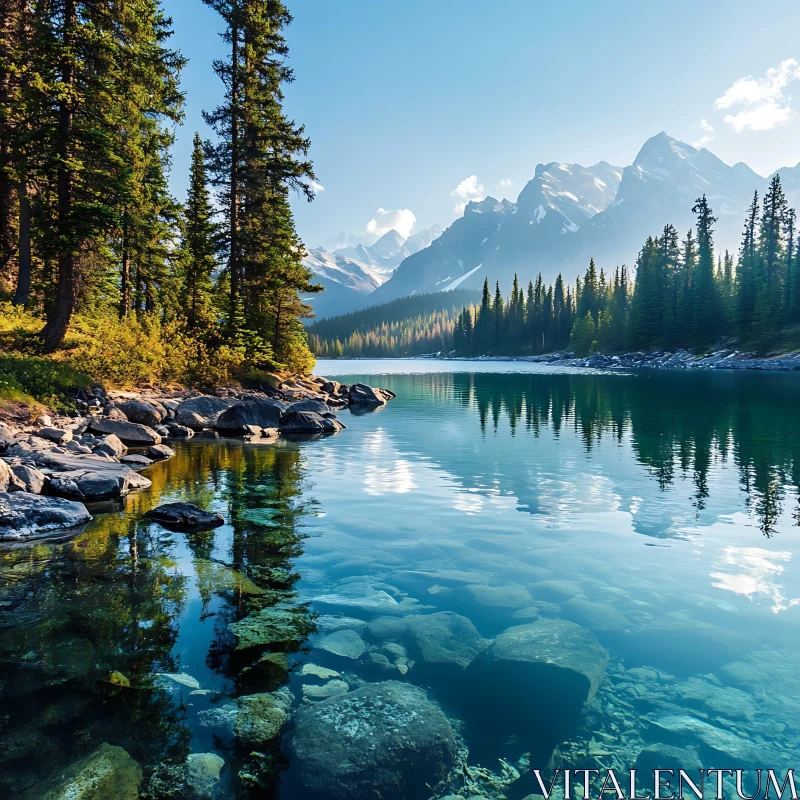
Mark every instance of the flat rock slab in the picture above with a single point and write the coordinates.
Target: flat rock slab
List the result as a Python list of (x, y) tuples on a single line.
[(184, 516), (128, 432), (384, 740), (26, 516)]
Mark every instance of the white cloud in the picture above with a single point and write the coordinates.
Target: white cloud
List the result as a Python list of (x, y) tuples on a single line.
[(707, 135), (402, 220), (762, 101), (468, 190), (317, 187), (506, 182)]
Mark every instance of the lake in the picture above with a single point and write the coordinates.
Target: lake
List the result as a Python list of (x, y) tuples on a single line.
[(655, 515)]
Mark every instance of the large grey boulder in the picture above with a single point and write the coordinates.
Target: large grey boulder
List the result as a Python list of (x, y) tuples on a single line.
[(316, 406), (534, 680), (32, 479), (89, 485), (26, 516), (7, 437), (363, 395), (202, 411), (142, 411), (57, 435), (184, 516), (442, 642), (128, 432), (111, 445), (384, 741), (265, 412), (308, 422), (9, 480)]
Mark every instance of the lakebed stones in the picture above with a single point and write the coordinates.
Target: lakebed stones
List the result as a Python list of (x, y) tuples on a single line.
[(442, 642), (274, 625), (184, 516), (128, 432), (384, 740), (344, 643), (261, 717), (25, 516), (202, 773), (106, 772), (534, 680)]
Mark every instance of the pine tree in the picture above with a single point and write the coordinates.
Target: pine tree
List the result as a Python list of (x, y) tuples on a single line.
[(747, 273), (770, 265), (707, 308), (199, 247)]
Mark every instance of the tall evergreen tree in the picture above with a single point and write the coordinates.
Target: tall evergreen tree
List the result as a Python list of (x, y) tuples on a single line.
[(707, 309), (770, 264), (747, 276)]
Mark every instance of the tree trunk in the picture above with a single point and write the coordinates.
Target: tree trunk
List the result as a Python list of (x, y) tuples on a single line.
[(125, 272), (59, 318), (23, 292), (234, 263)]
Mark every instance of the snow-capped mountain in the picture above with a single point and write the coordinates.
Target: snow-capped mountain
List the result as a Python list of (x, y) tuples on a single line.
[(351, 274), (568, 213)]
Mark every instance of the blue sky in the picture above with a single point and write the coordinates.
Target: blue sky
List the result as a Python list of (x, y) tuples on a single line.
[(406, 101)]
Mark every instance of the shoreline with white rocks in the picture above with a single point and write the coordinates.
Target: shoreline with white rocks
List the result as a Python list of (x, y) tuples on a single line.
[(50, 469), (652, 359)]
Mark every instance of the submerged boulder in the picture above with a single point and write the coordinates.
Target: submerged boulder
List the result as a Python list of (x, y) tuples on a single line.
[(443, 641), (202, 411), (184, 516), (25, 516), (106, 772), (273, 625), (261, 717), (383, 740), (534, 680), (127, 432), (264, 412)]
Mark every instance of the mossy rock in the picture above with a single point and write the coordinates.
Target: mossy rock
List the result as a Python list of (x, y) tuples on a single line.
[(107, 772)]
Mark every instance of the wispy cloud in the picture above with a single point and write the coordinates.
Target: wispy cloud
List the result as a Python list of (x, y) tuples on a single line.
[(402, 220), (506, 182), (468, 190), (763, 102), (317, 187), (706, 136)]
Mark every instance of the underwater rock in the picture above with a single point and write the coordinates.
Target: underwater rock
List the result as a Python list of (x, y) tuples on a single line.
[(202, 411), (278, 624), (533, 680), (725, 701), (714, 745), (330, 623), (346, 643), (202, 772), (182, 678), (556, 591), (597, 616), (683, 645), (665, 756), (383, 740), (127, 432), (108, 772), (270, 668), (261, 717), (25, 516), (184, 516), (441, 640), (319, 672), (264, 412), (331, 689), (510, 595)]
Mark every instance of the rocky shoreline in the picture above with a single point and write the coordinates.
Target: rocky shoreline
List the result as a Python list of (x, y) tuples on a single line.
[(50, 469), (653, 359)]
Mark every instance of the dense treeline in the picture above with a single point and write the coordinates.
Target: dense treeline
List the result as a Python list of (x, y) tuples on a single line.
[(409, 326), (684, 295), (89, 98)]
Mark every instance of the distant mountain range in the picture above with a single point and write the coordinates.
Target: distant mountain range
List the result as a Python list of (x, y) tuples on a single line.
[(563, 216), (350, 274)]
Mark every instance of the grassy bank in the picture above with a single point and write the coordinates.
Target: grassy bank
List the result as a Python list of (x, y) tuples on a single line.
[(102, 349)]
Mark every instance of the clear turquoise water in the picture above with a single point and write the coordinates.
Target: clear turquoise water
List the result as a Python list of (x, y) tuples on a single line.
[(658, 510)]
